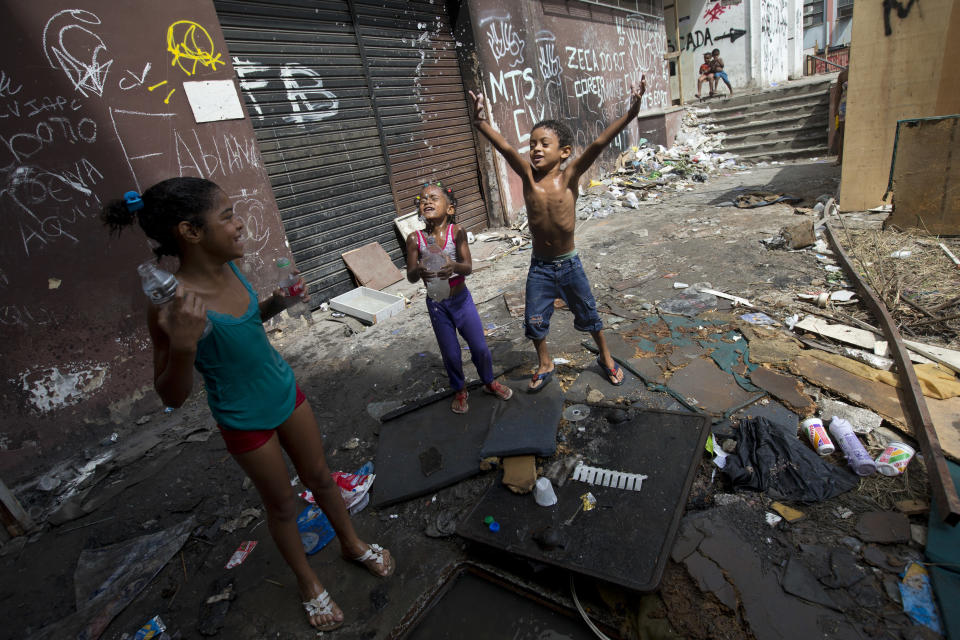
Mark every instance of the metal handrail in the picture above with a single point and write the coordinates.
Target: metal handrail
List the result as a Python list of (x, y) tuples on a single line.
[(825, 60)]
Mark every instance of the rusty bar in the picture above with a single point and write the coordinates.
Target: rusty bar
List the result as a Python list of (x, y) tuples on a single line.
[(16, 521), (918, 417)]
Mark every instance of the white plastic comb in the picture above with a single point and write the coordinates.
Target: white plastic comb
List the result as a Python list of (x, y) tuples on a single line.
[(609, 478)]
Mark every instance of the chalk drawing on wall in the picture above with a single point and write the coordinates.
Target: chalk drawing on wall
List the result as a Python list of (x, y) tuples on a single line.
[(71, 46), (503, 39), (250, 208), (309, 100), (133, 81), (191, 45)]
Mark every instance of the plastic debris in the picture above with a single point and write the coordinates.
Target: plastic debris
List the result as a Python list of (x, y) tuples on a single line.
[(241, 554), (917, 595)]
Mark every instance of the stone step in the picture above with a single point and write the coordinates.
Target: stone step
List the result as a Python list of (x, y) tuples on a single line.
[(818, 151), (773, 119), (816, 88), (802, 141), (724, 113), (783, 133)]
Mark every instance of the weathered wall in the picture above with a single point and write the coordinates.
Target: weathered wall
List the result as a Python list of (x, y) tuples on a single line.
[(92, 104), (569, 61), (917, 81), (760, 42)]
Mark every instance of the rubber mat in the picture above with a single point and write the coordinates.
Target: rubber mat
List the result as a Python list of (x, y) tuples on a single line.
[(527, 423), (431, 448), (626, 538)]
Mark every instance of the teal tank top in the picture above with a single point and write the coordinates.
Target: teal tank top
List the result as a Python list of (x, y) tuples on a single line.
[(249, 385)]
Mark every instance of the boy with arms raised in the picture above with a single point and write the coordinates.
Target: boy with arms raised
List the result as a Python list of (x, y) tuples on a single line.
[(550, 194)]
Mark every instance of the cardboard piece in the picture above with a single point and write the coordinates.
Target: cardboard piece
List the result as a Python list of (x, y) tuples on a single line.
[(786, 388), (520, 473), (372, 267), (408, 223)]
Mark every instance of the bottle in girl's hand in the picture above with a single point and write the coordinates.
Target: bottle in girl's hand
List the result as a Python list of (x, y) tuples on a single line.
[(433, 259), (161, 286), (293, 285)]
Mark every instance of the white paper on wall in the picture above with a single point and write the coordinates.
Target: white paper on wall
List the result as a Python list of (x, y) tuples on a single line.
[(213, 100)]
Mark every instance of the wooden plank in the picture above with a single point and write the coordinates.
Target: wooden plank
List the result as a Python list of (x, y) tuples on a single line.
[(843, 333), (946, 357), (372, 267), (915, 407), (912, 77), (15, 520)]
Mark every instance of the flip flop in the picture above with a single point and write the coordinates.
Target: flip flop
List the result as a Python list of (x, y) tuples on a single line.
[(322, 605), (544, 379), (611, 373), (376, 553)]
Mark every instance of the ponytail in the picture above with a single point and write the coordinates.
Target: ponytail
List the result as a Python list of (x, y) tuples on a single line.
[(161, 209)]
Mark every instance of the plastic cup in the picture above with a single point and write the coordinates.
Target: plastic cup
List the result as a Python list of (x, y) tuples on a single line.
[(895, 458), (815, 431), (857, 457), (543, 493)]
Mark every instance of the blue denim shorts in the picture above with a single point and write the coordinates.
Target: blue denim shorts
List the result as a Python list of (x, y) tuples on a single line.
[(721, 75), (548, 280)]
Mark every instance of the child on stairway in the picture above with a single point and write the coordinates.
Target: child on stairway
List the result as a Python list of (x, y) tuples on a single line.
[(251, 390), (437, 206), (550, 192)]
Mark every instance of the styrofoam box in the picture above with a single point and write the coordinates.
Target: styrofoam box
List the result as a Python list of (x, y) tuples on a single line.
[(368, 305)]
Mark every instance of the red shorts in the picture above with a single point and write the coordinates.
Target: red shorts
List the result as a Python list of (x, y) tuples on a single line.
[(244, 440)]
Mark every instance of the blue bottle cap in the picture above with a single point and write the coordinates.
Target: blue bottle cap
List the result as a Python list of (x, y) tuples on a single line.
[(494, 526)]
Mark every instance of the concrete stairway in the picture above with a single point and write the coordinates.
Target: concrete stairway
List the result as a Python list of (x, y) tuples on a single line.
[(777, 124)]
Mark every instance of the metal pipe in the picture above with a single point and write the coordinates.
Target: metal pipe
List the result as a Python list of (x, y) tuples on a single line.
[(825, 60)]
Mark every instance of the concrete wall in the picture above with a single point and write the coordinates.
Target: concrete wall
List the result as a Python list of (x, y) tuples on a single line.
[(917, 82), (92, 104), (760, 41), (569, 61)]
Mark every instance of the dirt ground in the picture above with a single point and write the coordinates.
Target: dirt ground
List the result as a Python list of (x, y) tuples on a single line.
[(186, 471)]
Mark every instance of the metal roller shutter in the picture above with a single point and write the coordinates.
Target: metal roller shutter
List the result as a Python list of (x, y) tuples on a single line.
[(302, 76), (336, 116), (412, 60)]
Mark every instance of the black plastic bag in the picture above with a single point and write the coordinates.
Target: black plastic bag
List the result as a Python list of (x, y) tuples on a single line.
[(770, 460)]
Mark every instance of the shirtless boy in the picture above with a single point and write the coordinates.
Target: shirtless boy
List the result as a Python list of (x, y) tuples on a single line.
[(550, 194), (716, 66)]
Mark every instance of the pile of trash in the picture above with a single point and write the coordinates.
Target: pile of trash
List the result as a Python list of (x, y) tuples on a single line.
[(645, 171)]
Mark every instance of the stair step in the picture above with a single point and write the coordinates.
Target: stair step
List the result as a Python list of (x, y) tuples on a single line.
[(722, 112), (787, 133), (785, 117), (747, 150), (810, 152), (817, 88)]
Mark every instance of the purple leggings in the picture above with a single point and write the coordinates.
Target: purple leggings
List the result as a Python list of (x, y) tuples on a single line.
[(447, 316)]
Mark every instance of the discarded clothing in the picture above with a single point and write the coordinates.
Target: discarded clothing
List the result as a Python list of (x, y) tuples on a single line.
[(768, 459)]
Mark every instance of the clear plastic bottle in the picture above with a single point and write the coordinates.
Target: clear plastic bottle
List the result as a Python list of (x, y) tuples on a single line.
[(161, 286), (433, 259), (292, 283)]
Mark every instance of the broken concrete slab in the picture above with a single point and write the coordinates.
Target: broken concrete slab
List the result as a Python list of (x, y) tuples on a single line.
[(884, 526), (591, 379), (705, 384), (845, 571), (798, 580), (862, 420), (688, 539), (881, 558), (786, 388), (710, 578)]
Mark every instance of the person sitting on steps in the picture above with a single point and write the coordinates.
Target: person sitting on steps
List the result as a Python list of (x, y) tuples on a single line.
[(706, 75)]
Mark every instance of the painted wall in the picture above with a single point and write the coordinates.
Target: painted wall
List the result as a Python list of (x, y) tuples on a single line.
[(537, 60), (92, 104), (760, 41), (917, 82)]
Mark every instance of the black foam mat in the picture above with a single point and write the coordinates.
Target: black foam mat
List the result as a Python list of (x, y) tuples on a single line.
[(456, 438), (526, 423), (627, 538)]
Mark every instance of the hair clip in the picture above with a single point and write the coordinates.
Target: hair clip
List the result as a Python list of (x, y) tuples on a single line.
[(133, 201)]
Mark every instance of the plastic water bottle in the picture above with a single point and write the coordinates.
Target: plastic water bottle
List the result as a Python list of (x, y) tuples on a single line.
[(161, 286), (433, 259), (293, 285), (857, 457)]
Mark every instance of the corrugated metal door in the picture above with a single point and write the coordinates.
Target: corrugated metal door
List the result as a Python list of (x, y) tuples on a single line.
[(412, 61), (302, 76)]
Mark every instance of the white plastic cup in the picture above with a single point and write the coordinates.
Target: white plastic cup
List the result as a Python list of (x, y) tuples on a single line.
[(543, 493), (895, 458), (818, 436), (857, 457)]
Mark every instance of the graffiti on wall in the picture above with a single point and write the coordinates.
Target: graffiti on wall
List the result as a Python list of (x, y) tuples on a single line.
[(308, 100), (894, 6), (580, 82), (773, 38)]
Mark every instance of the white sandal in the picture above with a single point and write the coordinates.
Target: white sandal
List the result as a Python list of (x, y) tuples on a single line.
[(376, 552), (322, 605)]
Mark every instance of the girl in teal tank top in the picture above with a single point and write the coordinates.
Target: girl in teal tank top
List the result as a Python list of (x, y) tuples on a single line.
[(250, 388)]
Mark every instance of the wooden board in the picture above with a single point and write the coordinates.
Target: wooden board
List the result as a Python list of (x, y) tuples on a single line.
[(926, 177), (372, 267), (908, 87)]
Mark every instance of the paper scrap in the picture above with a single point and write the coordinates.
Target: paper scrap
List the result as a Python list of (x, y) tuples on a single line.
[(213, 100)]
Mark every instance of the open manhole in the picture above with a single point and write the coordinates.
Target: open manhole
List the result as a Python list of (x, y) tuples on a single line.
[(474, 603)]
